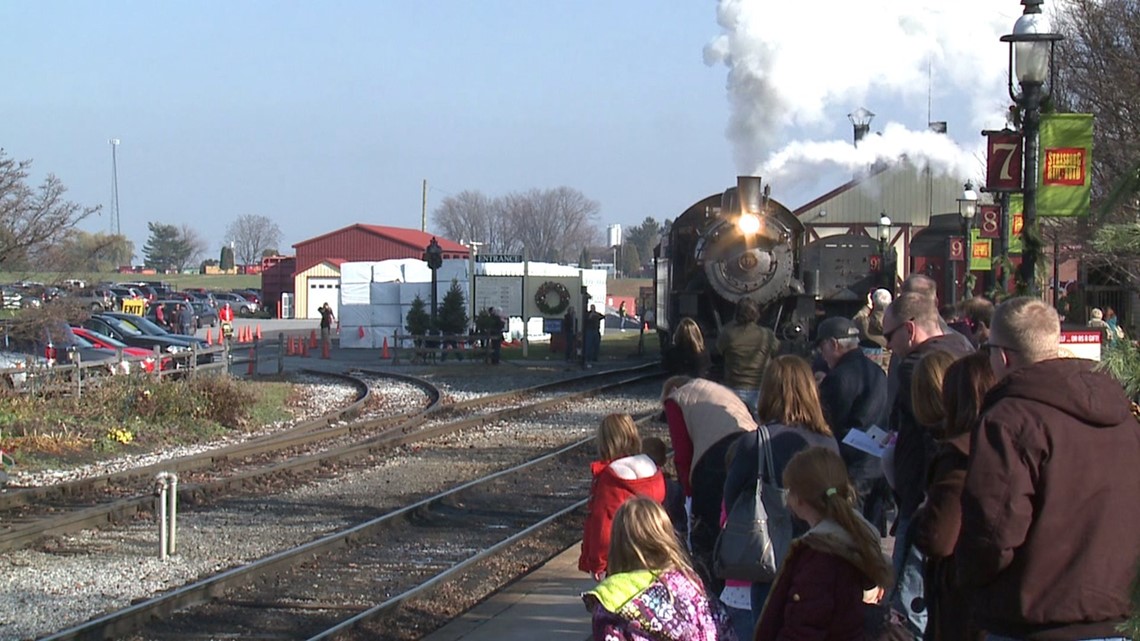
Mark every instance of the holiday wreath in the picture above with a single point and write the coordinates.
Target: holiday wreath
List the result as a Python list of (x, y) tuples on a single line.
[(543, 295)]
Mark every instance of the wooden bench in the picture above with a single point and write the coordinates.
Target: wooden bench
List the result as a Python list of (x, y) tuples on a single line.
[(435, 349)]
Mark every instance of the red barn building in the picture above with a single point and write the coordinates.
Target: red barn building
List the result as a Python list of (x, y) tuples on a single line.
[(316, 272)]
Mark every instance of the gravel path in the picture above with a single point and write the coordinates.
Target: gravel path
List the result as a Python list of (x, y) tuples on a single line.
[(75, 578)]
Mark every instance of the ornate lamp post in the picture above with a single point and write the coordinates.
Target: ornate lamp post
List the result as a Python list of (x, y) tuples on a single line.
[(886, 251), (433, 256), (1031, 62), (967, 207)]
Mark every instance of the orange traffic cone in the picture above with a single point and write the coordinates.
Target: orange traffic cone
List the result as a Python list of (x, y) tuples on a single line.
[(258, 334), (312, 338), (209, 338), (252, 363), (304, 348), (248, 334), (384, 351), (325, 350)]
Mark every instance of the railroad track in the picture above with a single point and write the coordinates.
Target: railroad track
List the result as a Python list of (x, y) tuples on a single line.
[(350, 583), (29, 516)]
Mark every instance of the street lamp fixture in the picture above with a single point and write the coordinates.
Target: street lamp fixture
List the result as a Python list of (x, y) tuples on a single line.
[(885, 252), (433, 256), (1031, 48), (861, 121)]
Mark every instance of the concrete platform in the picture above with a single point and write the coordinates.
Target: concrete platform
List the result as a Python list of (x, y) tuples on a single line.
[(546, 603)]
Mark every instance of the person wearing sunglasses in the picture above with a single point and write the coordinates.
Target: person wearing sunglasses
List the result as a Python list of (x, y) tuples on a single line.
[(913, 329), (1048, 539)]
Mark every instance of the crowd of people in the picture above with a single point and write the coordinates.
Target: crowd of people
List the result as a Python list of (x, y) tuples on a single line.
[(1002, 473)]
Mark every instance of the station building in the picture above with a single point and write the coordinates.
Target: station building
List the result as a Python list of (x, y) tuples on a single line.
[(314, 272)]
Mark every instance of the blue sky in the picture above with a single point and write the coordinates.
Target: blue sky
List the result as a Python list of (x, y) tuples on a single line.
[(323, 114)]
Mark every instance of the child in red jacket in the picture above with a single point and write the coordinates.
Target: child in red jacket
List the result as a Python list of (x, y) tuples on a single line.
[(833, 569), (621, 473)]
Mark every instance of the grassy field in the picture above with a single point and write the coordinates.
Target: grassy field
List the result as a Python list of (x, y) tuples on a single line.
[(210, 281)]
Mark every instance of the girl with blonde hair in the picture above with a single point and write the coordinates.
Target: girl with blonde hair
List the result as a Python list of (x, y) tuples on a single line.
[(790, 410), (621, 472), (821, 588), (652, 591)]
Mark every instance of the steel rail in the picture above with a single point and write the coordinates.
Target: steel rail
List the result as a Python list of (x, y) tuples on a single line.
[(129, 619), (406, 433)]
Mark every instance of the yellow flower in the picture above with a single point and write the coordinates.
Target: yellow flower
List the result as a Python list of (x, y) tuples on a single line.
[(120, 436)]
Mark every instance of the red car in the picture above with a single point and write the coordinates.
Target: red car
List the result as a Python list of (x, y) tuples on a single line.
[(104, 341)]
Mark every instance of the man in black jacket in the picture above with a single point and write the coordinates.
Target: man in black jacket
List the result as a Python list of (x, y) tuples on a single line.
[(1048, 543), (854, 396), (913, 329)]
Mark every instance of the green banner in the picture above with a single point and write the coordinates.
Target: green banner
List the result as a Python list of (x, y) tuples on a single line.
[(1014, 222), (981, 252), (1065, 165)]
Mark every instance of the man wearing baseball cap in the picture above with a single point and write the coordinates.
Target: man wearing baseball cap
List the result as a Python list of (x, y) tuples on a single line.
[(854, 396)]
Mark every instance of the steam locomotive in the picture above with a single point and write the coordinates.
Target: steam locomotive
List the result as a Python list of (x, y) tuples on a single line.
[(743, 244)]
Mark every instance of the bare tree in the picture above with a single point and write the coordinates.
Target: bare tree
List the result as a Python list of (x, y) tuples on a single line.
[(1098, 72), (195, 246), (32, 218), (251, 235), (551, 223)]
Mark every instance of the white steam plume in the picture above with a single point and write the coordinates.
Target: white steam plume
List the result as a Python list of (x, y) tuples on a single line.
[(803, 65)]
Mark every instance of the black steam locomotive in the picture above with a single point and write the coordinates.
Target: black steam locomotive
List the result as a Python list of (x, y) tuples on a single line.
[(743, 244)]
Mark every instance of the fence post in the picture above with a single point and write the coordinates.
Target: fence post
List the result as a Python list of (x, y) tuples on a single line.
[(255, 353), (280, 353), (193, 359), (77, 361)]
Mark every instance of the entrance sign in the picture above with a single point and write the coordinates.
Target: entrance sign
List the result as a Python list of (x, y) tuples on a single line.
[(498, 258)]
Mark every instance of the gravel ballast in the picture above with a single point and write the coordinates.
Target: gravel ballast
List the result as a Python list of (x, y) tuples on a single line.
[(75, 578)]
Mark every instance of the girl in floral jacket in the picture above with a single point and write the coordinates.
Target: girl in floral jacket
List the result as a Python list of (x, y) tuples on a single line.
[(652, 592), (833, 569)]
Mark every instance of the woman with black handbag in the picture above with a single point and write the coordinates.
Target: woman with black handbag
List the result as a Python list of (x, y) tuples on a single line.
[(790, 408)]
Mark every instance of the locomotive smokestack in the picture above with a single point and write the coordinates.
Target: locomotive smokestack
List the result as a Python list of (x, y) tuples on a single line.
[(749, 193), (861, 122)]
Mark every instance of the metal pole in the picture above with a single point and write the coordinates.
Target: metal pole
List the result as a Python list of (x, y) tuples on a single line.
[(525, 311), (1030, 239), (1004, 220), (434, 276), (115, 224)]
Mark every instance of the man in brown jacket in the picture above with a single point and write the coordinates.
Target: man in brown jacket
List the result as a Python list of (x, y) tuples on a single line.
[(1049, 511)]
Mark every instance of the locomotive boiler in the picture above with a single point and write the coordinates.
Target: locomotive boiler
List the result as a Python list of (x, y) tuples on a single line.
[(744, 244)]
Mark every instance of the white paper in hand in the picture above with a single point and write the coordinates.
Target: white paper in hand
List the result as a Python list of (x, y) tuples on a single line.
[(865, 442)]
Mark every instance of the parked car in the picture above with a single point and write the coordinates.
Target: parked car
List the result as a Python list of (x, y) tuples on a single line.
[(204, 315), (238, 303), (137, 331), (13, 298), (58, 344), (202, 296), (96, 300), (15, 368), (145, 356)]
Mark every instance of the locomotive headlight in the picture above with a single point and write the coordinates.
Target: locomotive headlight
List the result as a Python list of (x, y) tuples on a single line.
[(748, 224)]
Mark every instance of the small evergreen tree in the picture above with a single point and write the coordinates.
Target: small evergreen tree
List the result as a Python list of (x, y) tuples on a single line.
[(453, 311), (418, 320), (227, 259), (584, 259)]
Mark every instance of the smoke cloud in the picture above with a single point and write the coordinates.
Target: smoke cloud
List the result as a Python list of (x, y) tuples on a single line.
[(795, 69)]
